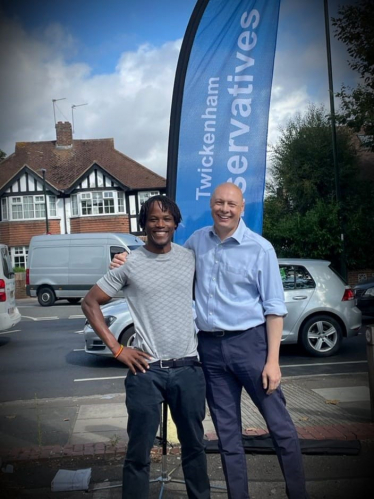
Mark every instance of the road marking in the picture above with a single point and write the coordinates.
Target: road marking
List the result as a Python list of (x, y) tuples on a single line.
[(78, 350), (47, 319), (40, 318), (14, 331), (326, 364), (77, 316), (79, 332), (100, 379)]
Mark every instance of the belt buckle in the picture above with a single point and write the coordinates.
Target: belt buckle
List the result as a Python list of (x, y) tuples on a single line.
[(162, 366), (219, 334)]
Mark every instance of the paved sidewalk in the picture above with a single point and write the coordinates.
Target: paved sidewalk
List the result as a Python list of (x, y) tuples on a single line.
[(39, 437)]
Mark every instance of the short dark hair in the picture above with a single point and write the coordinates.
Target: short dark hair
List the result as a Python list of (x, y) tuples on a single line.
[(165, 203)]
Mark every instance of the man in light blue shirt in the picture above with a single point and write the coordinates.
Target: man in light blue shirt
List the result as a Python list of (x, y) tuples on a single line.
[(240, 309)]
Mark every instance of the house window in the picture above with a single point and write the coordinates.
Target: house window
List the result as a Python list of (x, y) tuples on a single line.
[(17, 211), (31, 207), (52, 206), (143, 196), (121, 202), (97, 203), (74, 206), (19, 256), (4, 209), (86, 203)]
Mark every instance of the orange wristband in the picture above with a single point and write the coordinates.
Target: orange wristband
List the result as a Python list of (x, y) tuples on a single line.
[(119, 352)]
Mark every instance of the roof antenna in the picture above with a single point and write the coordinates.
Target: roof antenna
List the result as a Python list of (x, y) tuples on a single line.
[(54, 111), (72, 113)]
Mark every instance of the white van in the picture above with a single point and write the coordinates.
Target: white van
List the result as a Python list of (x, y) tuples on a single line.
[(67, 266), (9, 314)]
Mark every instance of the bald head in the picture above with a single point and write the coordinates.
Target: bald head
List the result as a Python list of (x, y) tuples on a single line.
[(227, 205), (227, 188)]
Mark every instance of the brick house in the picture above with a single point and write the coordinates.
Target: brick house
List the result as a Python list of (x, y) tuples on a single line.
[(89, 186)]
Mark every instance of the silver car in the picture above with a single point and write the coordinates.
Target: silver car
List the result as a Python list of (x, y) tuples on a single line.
[(321, 310)]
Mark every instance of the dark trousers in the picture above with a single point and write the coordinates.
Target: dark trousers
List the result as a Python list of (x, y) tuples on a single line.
[(183, 389), (230, 363)]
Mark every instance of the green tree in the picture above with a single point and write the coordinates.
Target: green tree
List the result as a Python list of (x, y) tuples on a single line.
[(354, 27), (301, 215), (2, 155)]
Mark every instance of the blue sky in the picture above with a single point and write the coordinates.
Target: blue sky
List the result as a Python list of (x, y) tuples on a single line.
[(119, 57)]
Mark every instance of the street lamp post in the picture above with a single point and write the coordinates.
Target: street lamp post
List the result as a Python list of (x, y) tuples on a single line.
[(334, 142), (45, 203)]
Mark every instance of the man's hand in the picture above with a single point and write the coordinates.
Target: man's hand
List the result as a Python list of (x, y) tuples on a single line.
[(134, 359), (118, 260), (271, 377)]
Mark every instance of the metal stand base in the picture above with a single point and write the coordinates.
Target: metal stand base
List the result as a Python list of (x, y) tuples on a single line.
[(165, 477)]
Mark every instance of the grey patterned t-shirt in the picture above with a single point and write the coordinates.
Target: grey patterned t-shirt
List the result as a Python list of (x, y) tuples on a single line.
[(158, 289)]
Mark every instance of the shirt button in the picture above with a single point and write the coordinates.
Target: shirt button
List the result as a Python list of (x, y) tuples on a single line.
[(216, 261), (210, 313), (213, 279), (211, 296)]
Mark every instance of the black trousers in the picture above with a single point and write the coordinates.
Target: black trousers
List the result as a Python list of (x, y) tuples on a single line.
[(231, 363), (183, 389)]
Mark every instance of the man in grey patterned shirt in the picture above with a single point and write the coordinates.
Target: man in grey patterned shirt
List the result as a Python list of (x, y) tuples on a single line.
[(163, 363)]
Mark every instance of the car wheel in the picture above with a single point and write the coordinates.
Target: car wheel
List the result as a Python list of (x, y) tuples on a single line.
[(74, 301), (321, 336), (46, 297), (127, 337)]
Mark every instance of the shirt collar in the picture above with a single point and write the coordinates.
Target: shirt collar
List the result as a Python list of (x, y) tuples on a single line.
[(238, 234)]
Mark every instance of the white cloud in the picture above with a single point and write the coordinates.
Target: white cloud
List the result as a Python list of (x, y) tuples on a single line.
[(132, 104)]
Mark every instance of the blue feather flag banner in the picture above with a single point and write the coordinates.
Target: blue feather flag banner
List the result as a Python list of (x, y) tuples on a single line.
[(220, 108)]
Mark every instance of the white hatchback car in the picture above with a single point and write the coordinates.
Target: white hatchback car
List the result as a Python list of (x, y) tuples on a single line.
[(321, 310), (9, 314)]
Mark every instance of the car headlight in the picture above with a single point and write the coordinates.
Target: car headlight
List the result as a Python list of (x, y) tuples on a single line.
[(109, 319), (369, 292)]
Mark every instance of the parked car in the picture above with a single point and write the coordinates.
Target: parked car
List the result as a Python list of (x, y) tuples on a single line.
[(364, 294), (321, 310), (9, 314)]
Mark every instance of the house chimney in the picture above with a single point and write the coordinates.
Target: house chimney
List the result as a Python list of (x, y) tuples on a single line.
[(64, 135)]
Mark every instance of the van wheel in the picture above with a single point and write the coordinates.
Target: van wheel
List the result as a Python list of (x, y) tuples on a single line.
[(127, 337), (74, 301), (46, 297)]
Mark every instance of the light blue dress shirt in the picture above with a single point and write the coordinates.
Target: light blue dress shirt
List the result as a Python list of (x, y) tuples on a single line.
[(238, 281)]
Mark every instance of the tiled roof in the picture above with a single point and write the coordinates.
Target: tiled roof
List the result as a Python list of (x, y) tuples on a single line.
[(65, 165)]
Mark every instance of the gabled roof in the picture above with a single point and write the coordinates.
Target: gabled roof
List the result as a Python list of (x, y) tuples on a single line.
[(64, 166)]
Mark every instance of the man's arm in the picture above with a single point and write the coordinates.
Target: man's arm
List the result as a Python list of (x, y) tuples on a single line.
[(134, 359), (271, 375)]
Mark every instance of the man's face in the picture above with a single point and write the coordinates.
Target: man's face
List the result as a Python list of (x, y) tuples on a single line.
[(227, 205), (160, 227)]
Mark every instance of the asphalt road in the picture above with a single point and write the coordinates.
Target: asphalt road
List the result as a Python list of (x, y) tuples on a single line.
[(43, 357)]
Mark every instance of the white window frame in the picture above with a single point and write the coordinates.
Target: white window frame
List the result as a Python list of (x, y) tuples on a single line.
[(97, 203), (144, 195), (30, 210), (19, 252), (4, 209)]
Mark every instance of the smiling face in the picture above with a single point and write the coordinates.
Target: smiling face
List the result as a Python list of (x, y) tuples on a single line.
[(159, 227), (227, 205)]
